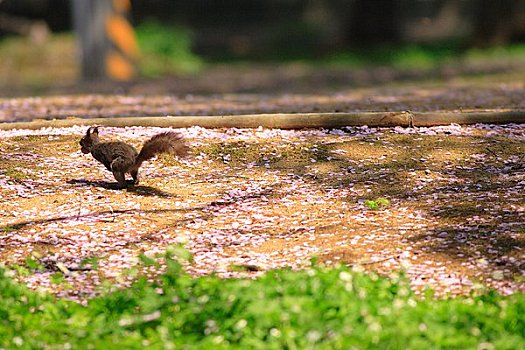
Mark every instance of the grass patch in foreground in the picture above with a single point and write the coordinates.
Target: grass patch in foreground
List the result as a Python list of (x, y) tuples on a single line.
[(319, 308)]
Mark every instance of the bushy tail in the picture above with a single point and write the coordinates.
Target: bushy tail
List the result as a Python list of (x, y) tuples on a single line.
[(167, 142)]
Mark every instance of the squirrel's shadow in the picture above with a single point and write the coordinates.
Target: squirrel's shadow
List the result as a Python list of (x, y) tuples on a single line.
[(138, 189)]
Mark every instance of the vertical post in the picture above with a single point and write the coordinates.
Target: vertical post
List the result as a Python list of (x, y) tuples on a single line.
[(120, 61), (107, 45)]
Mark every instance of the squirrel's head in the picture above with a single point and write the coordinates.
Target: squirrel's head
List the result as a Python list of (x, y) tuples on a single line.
[(89, 140)]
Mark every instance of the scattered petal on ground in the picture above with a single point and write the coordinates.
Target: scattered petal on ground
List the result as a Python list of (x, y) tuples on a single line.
[(248, 200)]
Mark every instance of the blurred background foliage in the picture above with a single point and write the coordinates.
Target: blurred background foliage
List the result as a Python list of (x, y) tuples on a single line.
[(185, 36), (166, 49)]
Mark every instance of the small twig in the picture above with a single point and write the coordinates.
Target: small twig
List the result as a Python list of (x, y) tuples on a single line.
[(370, 262), (112, 213), (79, 209), (223, 176), (199, 182), (113, 216), (79, 268), (22, 183), (63, 268), (492, 152)]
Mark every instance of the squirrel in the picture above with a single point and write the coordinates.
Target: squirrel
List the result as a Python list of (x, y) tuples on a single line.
[(121, 158)]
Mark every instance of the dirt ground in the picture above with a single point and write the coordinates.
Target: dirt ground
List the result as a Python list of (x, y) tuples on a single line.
[(289, 88), (445, 204)]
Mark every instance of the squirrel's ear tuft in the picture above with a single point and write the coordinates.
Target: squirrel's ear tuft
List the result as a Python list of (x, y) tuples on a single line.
[(95, 130)]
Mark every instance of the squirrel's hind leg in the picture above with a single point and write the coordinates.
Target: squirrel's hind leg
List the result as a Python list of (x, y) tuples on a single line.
[(135, 175), (121, 179), (119, 167)]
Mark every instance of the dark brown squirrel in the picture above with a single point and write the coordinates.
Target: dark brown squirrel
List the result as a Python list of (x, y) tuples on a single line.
[(121, 158)]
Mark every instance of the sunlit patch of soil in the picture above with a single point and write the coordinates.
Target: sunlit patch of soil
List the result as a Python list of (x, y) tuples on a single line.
[(250, 200)]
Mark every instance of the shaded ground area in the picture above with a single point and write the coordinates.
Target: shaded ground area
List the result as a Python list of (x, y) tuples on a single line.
[(425, 97), (251, 200), (284, 88)]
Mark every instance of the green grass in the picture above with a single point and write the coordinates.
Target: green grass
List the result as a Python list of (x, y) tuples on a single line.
[(424, 56), (377, 203), (166, 50), (318, 308)]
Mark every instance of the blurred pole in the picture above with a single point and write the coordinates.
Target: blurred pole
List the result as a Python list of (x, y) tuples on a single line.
[(107, 45)]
